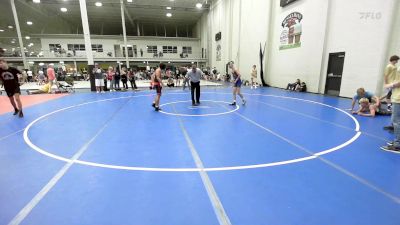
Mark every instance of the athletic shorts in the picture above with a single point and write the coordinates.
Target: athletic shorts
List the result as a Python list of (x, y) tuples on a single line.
[(238, 83), (158, 89), (99, 82), (11, 92)]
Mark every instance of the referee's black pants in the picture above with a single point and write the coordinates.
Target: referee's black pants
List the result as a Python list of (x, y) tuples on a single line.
[(195, 86)]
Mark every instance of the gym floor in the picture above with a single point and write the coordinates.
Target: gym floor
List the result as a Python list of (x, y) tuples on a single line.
[(284, 158)]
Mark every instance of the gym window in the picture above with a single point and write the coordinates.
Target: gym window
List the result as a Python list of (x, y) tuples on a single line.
[(151, 49), (170, 49), (97, 48), (76, 47), (54, 47), (187, 50)]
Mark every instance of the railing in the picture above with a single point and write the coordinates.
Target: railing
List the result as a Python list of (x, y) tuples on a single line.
[(106, 53)]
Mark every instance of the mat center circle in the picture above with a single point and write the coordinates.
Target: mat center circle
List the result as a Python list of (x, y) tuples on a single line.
[(205, 108)]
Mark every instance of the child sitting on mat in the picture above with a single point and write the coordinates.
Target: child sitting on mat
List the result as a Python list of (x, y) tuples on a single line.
[(46, 89)]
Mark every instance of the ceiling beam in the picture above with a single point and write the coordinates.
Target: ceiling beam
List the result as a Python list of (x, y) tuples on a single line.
[(129, 17)]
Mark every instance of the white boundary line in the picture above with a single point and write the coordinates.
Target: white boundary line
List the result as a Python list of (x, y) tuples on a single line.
[(155, 169), (43, 192), (200, 115), (212, 194)]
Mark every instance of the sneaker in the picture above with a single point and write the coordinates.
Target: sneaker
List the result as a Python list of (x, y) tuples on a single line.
[(233, 103), (193, 104), (20, 114), (102, 92), (157, 109), (388, 128), (390, 143), (97, 92), (244, 102), (391, 148), (16, 111), (198, 103), (153, 105)]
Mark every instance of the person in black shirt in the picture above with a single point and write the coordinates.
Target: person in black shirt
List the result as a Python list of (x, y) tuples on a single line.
[(9, 77), (293, 86), (124, 78)]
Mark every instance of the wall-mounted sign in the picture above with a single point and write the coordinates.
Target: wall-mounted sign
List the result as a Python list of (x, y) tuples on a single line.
[(286, 2), (291, 31)]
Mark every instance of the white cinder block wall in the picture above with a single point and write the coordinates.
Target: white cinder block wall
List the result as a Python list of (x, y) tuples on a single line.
[(253, 32), (285, 66), (364, 40), (328, 26)]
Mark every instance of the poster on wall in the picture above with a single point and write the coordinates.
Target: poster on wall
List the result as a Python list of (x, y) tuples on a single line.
[(218, 57), (291, 31)]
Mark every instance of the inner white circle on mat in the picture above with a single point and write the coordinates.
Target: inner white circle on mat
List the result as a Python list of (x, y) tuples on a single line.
[(132, 168), (195, 107)]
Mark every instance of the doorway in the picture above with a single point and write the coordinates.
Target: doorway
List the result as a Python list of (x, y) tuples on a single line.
[(334, 74)]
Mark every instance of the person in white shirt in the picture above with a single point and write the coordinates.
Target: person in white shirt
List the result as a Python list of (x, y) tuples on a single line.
[(30, 76), (194, 76), (254, 77)]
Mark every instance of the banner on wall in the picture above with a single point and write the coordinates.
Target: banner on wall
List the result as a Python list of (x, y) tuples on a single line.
[(291, 31), (218, 56)]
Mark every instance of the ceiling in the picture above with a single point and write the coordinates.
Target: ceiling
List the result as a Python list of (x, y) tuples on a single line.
[(47, 17)]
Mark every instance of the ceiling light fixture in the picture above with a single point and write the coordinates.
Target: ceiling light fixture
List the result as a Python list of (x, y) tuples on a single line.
[(11, 27), (27, 37), (129, 0), (36, 1), (199, 5), (1, 30), (29, 22), (168, 7), (98, 4), (64, 9), (169, 14)]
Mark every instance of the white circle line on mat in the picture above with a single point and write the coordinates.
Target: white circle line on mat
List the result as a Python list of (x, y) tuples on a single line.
[(198, 115), (210, 169)]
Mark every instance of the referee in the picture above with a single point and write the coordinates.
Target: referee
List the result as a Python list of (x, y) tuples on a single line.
[(194, 75)]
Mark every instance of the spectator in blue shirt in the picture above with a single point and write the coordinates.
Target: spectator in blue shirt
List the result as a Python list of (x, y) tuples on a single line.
[(361, 93)]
